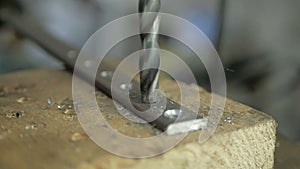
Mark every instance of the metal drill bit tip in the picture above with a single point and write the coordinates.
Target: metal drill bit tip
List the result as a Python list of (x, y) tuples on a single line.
[(149, 60)]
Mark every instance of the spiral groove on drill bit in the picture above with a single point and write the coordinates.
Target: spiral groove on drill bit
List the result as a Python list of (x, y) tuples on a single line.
[(150, 58)]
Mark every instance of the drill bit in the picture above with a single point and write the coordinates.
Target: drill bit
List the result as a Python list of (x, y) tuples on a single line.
[(150, 59)]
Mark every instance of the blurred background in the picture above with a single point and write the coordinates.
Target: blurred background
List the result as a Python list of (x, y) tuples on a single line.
[(258, 42)]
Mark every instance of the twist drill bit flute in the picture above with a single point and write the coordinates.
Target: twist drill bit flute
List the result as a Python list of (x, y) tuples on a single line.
[(150, 59)]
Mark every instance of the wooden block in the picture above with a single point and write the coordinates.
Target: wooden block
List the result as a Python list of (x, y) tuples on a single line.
[(34, 135)]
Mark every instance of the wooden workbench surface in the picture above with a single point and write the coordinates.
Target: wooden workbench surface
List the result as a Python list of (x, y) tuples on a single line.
[(35, 135)]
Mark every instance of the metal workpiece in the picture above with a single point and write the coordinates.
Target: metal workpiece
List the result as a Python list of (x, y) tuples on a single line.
[(149, 60), (35, 32), (162, 113)]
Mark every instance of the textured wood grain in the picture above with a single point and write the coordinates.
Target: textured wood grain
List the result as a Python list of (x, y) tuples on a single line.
[(34, 135)]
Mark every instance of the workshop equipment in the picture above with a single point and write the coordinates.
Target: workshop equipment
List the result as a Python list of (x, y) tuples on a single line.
[(188, 121), (149, 61), (32, 136)]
